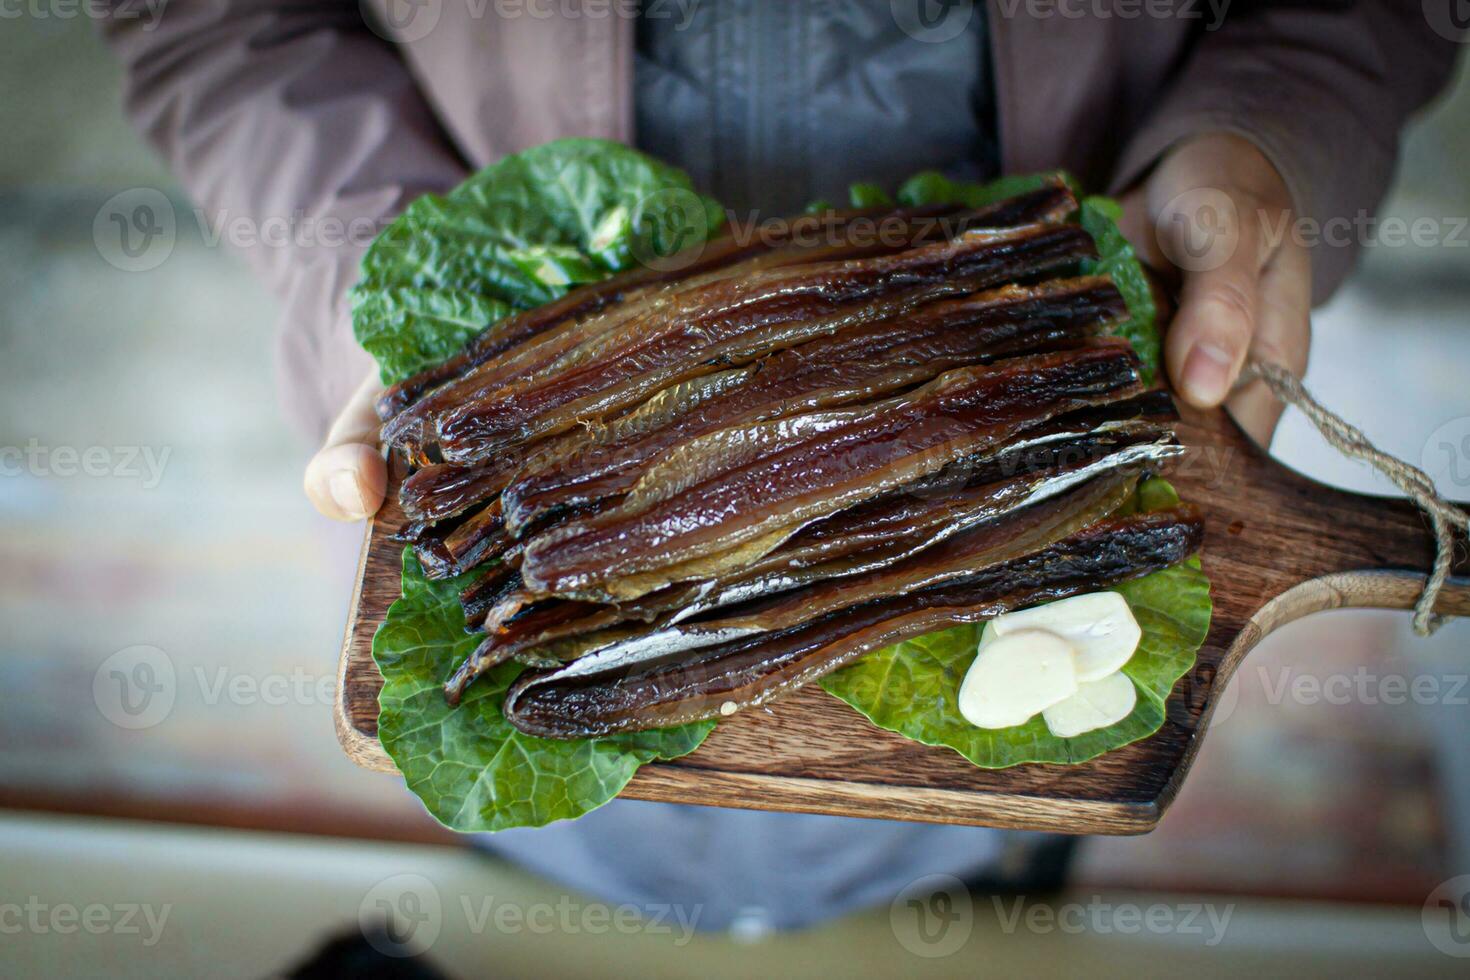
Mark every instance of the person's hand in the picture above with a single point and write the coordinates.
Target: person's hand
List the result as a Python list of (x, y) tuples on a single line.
[(1216, 213), (347, 477)]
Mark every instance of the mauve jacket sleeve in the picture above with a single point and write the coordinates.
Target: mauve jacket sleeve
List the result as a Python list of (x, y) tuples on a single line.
[(298, 123), (1323, 89)]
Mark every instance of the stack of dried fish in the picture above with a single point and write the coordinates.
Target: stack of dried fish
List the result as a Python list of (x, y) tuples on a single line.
[(688, 492)]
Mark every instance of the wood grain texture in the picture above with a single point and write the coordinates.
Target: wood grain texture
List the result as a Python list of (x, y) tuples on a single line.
[(1277, 547)]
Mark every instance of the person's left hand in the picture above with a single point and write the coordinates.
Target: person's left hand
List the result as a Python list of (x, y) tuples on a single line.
[(347, 478), (1217, 213)]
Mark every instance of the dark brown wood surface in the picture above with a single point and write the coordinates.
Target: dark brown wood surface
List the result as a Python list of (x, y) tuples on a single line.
[(1277, 547)]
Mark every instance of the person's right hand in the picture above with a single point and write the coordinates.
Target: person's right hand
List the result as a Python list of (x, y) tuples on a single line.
[(1214, 210), (347, 477)]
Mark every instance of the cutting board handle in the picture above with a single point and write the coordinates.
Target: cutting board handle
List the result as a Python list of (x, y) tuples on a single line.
[(1280, 545)]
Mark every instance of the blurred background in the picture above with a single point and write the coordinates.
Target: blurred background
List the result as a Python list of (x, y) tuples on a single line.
[(149, 497)]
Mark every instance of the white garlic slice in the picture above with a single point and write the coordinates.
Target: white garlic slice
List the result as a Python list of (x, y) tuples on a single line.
[(1097, 704), (1015, 676), (1099, 624)]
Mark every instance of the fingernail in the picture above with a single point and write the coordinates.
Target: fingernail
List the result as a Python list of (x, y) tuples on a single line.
[(1207, 374), (346, 493)]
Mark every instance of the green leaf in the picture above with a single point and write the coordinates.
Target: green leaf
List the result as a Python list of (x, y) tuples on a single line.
[(517, 234), (1117, 259), (869, 196), (471, 769), (932, 187), (912, 687)]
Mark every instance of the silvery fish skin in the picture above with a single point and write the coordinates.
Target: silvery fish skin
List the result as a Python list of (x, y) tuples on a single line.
[(603, 634), (576, 702), (1013, 532), (847, 367), (727, 499)]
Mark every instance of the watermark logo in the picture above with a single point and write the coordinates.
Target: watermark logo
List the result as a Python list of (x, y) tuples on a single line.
[(401, 915), (1205, 920), (38, 917), (1450, 19), (1446, 455), (1211, 12), (932, 21), (670, 230), (142, 463), (404, 915), (1446, 917), (933, 916), (148, 11), (135, 229), (401, 21), (1199, 230), (135, 687)]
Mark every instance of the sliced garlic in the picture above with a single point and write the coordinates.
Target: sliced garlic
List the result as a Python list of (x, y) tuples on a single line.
[(1015, 676), (1099, 624), (1097, 704)]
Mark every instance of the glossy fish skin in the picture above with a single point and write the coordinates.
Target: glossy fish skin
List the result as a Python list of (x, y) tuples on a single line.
[(1052, 202), (441, 491), (446, 553), (738, 486), (894, 568), (754, 670), (1067, 450), (734, 321), (704, 258), (855, 365), (986, 522), (805, 240)]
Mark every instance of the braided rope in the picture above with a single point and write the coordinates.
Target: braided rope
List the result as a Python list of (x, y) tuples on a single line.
[(1350, 441)]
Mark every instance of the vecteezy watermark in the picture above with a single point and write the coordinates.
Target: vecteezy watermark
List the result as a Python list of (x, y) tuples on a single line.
[(1363, 686), (138, 687), (1446, 917), (406, 21), (135, 229), (135, 687), (1450, 19), (144, 463), (404, 914), (297, 686), (149, 11), (1446, 455), (932, 21), (401, 21), (1368, 230), (1359, 686), (1206, 920), (36, 917), (297, 230), (401, 915), (1211, 12), (669, 229), (681, 11), (933, 916), (1199, 229)]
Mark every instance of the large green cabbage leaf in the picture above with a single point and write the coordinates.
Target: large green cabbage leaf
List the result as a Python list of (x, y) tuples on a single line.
[(517, 234), (471, 769), (912, 687)]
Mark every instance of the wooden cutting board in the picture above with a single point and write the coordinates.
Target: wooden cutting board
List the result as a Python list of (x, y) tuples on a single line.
[(1277, 547)]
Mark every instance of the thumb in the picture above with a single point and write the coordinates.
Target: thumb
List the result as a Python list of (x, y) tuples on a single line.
[(1213, 239), (347, 478)]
